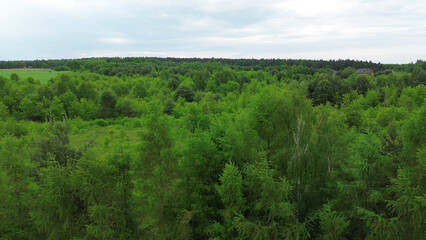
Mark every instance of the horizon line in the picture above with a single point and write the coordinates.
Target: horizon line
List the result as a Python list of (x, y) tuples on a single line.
[(209, 58)]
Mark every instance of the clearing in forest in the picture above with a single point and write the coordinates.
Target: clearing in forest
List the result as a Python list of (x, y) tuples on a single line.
[(42, 74)]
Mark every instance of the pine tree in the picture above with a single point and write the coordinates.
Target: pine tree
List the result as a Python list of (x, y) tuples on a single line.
[(332, 224), (58, 211), (15, 189), (201, 165), (156, 171), (231, 193), (364, 186)]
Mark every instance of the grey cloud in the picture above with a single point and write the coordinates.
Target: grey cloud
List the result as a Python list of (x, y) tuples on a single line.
[(380, 30)]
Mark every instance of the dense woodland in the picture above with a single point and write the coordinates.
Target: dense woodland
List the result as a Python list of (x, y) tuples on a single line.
[(145, 148)]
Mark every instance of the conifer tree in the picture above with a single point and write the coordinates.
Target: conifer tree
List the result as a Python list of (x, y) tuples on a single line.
[(156, 173), (15, 189)]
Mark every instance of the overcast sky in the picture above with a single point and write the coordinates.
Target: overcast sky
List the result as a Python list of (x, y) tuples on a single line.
[(384, 31)]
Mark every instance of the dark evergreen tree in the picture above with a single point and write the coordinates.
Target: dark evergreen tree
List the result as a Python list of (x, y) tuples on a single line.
[(108, 101)]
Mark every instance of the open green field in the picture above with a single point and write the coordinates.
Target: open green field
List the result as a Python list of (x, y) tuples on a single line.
[(104, 139), (42, 74)]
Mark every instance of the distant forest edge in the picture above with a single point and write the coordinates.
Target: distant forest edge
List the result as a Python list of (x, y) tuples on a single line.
[(146, 65)]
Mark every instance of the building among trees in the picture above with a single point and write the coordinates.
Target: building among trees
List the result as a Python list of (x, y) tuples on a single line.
[(365, 71)]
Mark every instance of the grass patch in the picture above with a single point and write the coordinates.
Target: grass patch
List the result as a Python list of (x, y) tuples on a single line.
[(105, 139), (42, 74)]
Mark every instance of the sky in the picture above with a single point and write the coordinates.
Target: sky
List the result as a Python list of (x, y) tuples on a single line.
[(386, 31)]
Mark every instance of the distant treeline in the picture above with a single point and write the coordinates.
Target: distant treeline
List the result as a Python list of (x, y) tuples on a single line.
[(145, 65)]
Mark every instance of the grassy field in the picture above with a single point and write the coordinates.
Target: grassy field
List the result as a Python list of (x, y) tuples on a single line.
[(105, 139), (42, 74)]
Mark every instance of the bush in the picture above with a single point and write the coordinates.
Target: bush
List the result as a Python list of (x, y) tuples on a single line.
[(101, 122)]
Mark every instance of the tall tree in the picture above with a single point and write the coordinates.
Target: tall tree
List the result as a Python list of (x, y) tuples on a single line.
[(16, 190), (108, 101), (156, 169)]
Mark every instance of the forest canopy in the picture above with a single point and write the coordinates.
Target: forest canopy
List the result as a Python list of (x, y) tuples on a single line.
[(169, 148)]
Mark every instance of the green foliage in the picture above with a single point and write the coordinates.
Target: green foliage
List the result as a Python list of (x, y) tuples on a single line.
[(225, 75), (201, 166), (323, 92), (200, 79), (75, 65), (57, 199), (53, 144), (231, 189), (16, 187), (147, 148), (68, 99), (126, 107), (332, 224), (56, 110), (270, 213), (361, 83), (139, 90), (28, 108), (157, 167), (108, 102), (377, 226), (185, 92), (369, 169), (87, 91), (64, 83), (352, 108), (14, 77), (345, 73), (4, 112), (86, 109), (120, 90)]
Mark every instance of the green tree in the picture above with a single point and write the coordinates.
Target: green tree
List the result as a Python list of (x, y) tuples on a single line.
[(4, 112), (14, 77), (231, 189), (409, 202), (120, 89), (419, 74), (16, 186), (139, 90), (225, 75), (89, 110), (156, 169), (323, 93), (30, 109), (108, 101), (75, 65), (125, 107), (366, 176), (200, 79), (68, 99), (332, 224), (57, 197), (361, 83), (106, 189), (270, 213), (345, 73), (407, 187), (56, 109), (201, 165), (64, 83), (185, 92), (54, 143), (231, 193), (87, 91)]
